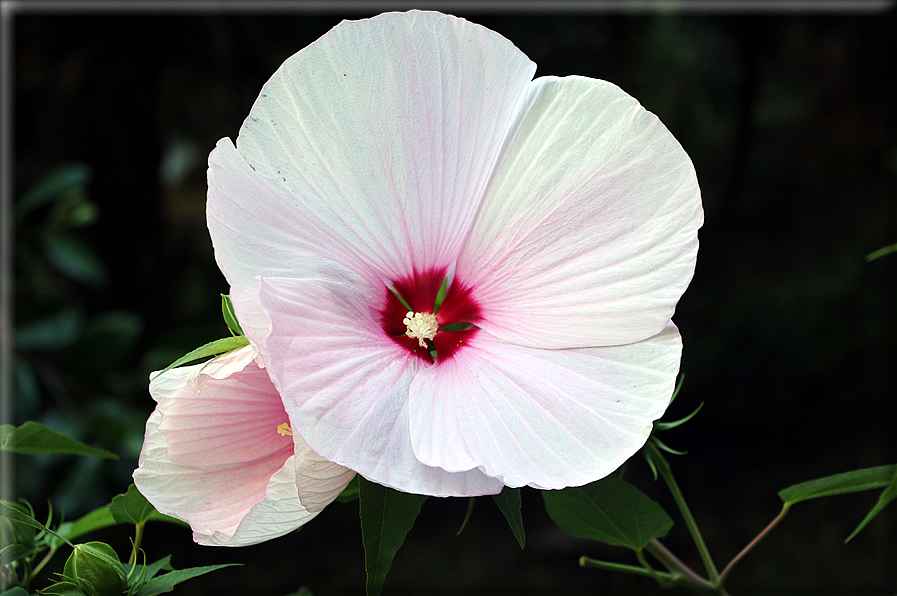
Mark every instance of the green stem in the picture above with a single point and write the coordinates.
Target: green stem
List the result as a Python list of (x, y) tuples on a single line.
[(608, 566), (138, 537), (754, 542), (664, 468), (41, 565), (680, 573)]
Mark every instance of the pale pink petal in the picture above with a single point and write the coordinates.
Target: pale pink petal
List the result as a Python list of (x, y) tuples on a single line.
[(232, 505), (232, 420), (221, 367), (373, 145), (345, 385), (588, 234), (543, 418)]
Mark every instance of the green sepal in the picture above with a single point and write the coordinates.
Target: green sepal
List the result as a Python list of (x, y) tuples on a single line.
[(470, 503), (10, 512), (213, 348), (33, 438), (839, 484), (63, 588), (230, 317), (610, 510), (508, 501), (387, 516), (96, 569), (886, 496)]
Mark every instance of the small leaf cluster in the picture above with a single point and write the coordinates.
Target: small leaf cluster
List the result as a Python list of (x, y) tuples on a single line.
[(92, 568)]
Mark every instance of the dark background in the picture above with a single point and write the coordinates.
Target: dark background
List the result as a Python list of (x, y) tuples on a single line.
[(789, 334)]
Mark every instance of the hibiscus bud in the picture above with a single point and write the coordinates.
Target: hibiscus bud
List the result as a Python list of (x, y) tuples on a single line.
[(95, 568)]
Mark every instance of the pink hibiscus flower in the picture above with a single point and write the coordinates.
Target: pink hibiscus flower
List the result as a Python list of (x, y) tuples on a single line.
[(218, 455), (411, 149)]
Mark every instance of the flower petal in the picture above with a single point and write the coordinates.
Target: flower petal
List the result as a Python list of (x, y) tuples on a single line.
[(233, 505), (345, 385), (371, 147), (588, 233), (544, 418), (232, 420)]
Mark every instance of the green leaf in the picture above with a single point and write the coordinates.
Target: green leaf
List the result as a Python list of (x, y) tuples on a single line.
[(838, 484), (887, 495), (131, 507), (53, 185), (33, 438), (227, 309), (16, 591), (213, 348), (152, 569), (74, 258), (881, 252), (508, 500), (386, 517), (610, 510), (166, 582), (97, 519)]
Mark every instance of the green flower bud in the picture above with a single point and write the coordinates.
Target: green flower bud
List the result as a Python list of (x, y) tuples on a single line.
[(95, 567)]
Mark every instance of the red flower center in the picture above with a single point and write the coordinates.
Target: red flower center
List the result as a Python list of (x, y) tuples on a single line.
[(456, 316)]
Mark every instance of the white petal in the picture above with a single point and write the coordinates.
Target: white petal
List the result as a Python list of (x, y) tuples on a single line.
[(345, 385), (232, 505), (588, 234), (544, 418), (372, 147)]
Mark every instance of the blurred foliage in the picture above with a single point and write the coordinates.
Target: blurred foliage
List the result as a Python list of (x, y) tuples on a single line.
[(788, 332)]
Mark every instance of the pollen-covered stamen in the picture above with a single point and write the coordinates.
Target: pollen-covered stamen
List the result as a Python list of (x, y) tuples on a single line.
[(284, 429), (421, 326)]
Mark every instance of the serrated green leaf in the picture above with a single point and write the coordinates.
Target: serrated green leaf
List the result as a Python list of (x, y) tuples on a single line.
[(387, 516), (213, 348), (131, 507), (166, 582), (230, 317), (508, 500), (33, 438), (839, 484), (610, 510), (886, 496), (97, 519), (151, 570)]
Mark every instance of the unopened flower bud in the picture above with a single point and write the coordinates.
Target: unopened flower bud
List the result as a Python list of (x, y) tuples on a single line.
[(96, 569)]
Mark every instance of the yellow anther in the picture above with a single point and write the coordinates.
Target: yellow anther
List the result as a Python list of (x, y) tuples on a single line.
[(284, 429), (421, 326)]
